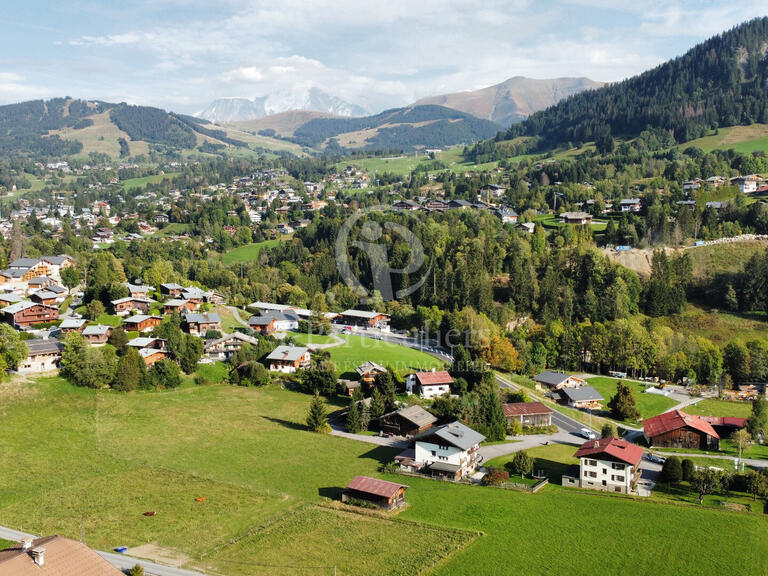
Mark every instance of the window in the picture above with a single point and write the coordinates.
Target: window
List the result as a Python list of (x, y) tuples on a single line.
[(604, 483), (620, 478), (591, 462), (617, 466), (592, 474), (617, 489), (434, 453)]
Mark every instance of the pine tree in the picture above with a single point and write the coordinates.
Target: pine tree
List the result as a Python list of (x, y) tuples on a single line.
[(317, 417), (353, 418), (758, 419), (131, 370), (365, 417), (378, 405), (622, 405)]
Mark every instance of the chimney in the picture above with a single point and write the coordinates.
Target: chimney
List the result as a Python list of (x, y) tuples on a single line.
[(38, 555), (26, 543), (597, 444)]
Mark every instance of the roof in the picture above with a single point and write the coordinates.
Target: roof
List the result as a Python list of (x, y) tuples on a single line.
[(21, 306), (362, 314), (434, 378), (234, 336), (56, 260), (288, 353), (616, 448), (626, 201), (137, 318), (575, 216), (416, 415), (369, 366), (43, 346), (266, 318), (142, 342), (44, 294), (75, 323), (582, 394), (14, 273), (445, 467), (675, 420), (97, 330), (172, 286), (132, 299), (63, 557), (24, 262), (455, 434), (525, 408), (725, 421), (10, 297), (207, 318), (176, 302), (138, 287), (551, 378), (146, 352), (375, 486)]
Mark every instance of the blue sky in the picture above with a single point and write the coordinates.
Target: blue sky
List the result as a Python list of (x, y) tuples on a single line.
[(182, 54)]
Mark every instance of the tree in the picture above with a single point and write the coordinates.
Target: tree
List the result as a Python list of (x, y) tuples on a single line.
[(706, 481), (688, 468), (118, 338), (741, 439), (758, 419), (514, 428), (12, 348), (95, 309), (522, 463), (70, 277), (672, 471), (756, 484), (165, 374), (131, 371), (377, 406), (608, 431), (137, 570), (622, 405), (317, 417), (365, 416), (73, 355), (353, 418)]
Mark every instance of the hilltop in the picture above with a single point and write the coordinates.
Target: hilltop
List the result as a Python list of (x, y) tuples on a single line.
[(512, 100)]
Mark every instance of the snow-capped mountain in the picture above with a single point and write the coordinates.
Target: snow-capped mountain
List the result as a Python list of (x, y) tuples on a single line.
[(314, 99)]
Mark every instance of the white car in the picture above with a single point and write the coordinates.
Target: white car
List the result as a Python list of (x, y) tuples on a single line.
[(588, 434)]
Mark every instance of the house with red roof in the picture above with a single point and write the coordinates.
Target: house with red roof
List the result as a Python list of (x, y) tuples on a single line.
[(677, 429), (387, 495), (607, 464), (429, 384)]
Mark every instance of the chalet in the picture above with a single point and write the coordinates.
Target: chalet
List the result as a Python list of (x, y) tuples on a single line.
[(55, 264), (199, 324), (178, 306), (409, 205), (585, 397), (151, 350), (527, 227), (138, 290), (277, 321), (59, 291), (11, 278), (384, 494), (607, 464), (141, 322), (10, 298), (25, 314), (160, 219), (225, 347), (44, 297), (630, 205), (436, 206), (556, 380), (459, 204), (576, 218), (429, 384), (746, 184), (507, 215), (171, 289), (407, 421), (288, 359), (364, 319), (43, 355), (725, 425), (677, 429), (529, 414), (125, 306), (194, 294), (448, 451), (97, 335), (716, 181), (368, 371), (53, 556), (39, 282), (152, 356), (72, 325), (492, 190), (692, 185)]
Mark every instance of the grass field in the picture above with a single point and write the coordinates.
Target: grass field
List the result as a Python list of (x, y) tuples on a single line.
[(744, 139), (228, 320), (142, 182), (719, 326), (303, 339), (723, 258), (249, 252), (359, 349), (6, 543), (713, 407), (173, 229), (552, 222), (554, 460), (647, 404), (72, 456)]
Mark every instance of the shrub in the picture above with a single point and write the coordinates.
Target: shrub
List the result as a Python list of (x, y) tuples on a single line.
[(521, 463), (514, 428), (688, 468), (608, 431), (390, 467), (672, 471), (495, 477), (137, 570)]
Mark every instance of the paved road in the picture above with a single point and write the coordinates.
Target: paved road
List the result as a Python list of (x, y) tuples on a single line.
[(119, 561), (489, 452), (748, 461), (236, 314)]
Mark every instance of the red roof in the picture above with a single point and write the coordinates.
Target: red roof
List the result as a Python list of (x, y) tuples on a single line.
[(434, 378), (725, 421), (675, 420), (525, 409), (374, 486), (613, 447)]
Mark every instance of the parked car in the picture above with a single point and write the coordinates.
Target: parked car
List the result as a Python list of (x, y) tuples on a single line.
[(653, 458), (588, 434)]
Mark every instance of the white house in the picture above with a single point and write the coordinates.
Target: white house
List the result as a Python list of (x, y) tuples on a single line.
[(608, 464), (288, 359), (43, 355), (429, 384), (746, 184), (450, 451)]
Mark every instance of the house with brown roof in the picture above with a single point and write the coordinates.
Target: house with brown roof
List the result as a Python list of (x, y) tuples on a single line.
[(607, 464), (53, 556), (529, 414), (407, 421), (124, 306), (677, 429), (429, 384), (384, 494), (368, 371)]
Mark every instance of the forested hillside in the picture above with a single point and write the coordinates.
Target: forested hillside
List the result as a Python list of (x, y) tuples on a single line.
[(721, 82)]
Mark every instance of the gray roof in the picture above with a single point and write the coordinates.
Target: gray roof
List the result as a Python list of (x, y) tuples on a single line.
[(56, 260), (234, 336), (143, 342), (551, 378), (14, 272), (361, 314), (24, 262), (43, 346), (288, 353), (97, 330), (138, 287), (369, 366), (629, 201), (207, 318), (44, 294), (266, 318), (176, 302), (455, 434), (19, 306), (11, 297), (55, 288), (133, 299), (72, 323), (136, 318), (582, 394), (172, 286), (417, 415)]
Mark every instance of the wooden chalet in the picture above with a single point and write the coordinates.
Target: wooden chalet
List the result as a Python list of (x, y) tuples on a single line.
[(677, 429), (25, 314), (97, 335), (407, 421), (529, 414), (368, 371), (386, 495), (125, 306), (141, 322), (179, 306)]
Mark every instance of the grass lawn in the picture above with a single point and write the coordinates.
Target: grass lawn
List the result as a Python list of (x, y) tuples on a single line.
[(215, 372), (713, 407), (6, 543), (554, 460), (173, 229), (107, 319), (142, 182), (648, 404), (249, 252), (304, 339), (552, 222), (103, 459), (359, 349), (719, 326), (228, 320), (744, 139)]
